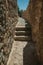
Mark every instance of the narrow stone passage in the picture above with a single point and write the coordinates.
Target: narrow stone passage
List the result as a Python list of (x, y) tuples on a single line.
[(21, 38)]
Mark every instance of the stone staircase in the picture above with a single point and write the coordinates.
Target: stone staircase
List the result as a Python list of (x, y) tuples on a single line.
[(21, 38), (22, 32)]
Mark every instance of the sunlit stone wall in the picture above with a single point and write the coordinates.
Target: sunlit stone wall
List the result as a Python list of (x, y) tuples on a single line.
[(8, 20)]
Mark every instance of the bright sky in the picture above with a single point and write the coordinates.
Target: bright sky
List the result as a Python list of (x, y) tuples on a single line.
[(22, 4)]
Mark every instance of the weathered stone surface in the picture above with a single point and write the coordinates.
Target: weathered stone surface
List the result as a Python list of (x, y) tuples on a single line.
[(35, 17), (8, 19), (16, 56)]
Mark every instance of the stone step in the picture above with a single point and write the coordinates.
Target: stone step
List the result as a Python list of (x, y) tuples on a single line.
[(22, 28), (22, 38), (26, 33)]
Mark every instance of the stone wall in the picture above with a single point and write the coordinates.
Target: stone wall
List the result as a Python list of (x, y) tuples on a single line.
[(35, 17), (8, 20), (41, 35)]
